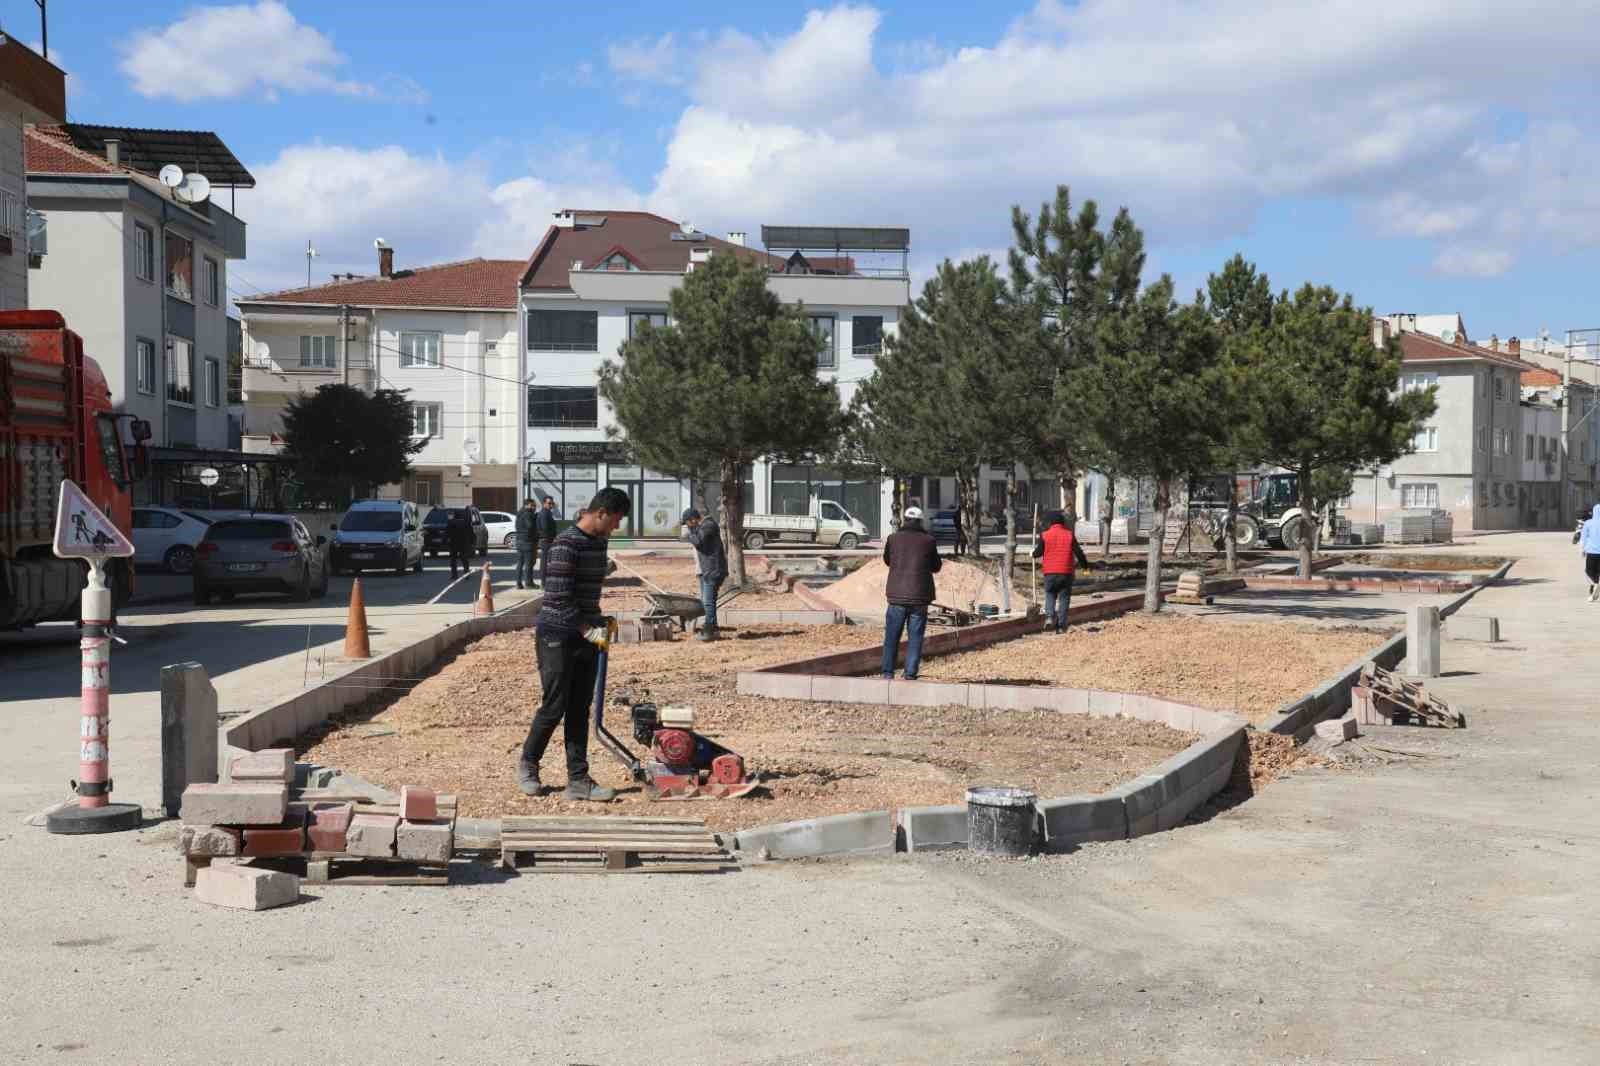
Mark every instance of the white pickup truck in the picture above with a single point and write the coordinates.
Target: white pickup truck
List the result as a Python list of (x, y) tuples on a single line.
[(828, 524)]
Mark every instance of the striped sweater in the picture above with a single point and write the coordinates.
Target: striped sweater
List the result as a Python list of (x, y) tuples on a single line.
[(575, 568)]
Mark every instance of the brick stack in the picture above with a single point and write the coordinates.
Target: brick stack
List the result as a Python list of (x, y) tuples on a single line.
[(1191, 589)]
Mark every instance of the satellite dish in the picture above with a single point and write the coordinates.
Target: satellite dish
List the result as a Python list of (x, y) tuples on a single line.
[(1448, 336), (687, 227), (379, 243), (171, 176), (196, 189)]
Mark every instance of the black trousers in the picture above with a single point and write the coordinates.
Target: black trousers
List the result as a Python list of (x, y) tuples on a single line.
[(1591, 566), (525, 557), (567, 670), (1057, 599), (465, 557)]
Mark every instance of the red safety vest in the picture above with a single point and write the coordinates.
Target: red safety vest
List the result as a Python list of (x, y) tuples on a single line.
[(1058, 557)]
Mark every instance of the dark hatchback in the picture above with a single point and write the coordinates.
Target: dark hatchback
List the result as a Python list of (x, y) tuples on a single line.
[(263, 553), (433, 530)]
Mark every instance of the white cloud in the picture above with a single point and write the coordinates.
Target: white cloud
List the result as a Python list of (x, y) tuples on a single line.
[(1470, 262), (647, 60), (245, 49)]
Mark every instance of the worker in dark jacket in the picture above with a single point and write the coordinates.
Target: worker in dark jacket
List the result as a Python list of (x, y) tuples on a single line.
[(544, 528), (710, 562), (1059, 554), (913, 559), (527, 542), (459, 539)]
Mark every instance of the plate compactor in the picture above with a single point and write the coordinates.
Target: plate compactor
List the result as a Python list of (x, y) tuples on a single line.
[(683, 764)]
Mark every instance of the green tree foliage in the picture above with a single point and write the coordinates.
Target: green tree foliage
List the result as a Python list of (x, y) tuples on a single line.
[(1241, 302), (344, 442), (1076, 275), (732, 379), (1323, 397)]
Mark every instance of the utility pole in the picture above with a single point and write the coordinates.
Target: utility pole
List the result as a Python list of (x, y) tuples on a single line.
[(311, 253), (44, 29), (1566, 424), (344, 341)]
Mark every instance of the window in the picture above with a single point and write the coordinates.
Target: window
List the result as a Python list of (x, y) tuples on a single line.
[(426, 419), (1426, 440), (550, 405), (1502, 442), (653, 319), (1527, 448), (1425, 495), (144, 252), (1418, 382), (1499, 388), (823, 327), (212, 383), (563, 331), (617, 261), (317, 353), (180, 371), (213, 278), (180, 266), (10, 215), (419, 349), (1483, 439), (144, 359), (866, 335)]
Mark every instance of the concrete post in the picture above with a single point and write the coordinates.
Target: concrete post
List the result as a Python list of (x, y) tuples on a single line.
[(188, 732), (1422, 641)]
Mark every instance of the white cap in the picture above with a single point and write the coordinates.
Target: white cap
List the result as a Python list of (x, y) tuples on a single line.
[(913, 512)]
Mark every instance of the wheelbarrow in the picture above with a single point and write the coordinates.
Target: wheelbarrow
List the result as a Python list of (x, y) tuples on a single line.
[(680, 607)]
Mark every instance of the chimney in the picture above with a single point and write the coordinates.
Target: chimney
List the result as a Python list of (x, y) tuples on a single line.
[(113, 151), (1461, 338), (386, 262), (564, 220), (1514, 347), (1380, 332), (1494, 342), (736, 237)]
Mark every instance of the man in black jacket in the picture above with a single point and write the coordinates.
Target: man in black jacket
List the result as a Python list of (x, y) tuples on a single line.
[(913, 558), (527, 543), (459, 539), (710, 561), (544, 528)]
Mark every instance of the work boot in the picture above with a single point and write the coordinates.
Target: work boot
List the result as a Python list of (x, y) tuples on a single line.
[(528, 778), (585, 788), (707, 633)]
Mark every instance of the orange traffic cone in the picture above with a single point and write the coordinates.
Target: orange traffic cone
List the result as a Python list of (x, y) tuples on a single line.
[(355, 626), (485, 604)]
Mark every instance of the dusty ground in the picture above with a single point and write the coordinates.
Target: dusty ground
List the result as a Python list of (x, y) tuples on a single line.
[(460, 732), (626, 590), (1251, 668)]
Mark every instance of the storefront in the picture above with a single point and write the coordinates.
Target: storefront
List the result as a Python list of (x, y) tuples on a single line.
[(579, 469), (201, 479)]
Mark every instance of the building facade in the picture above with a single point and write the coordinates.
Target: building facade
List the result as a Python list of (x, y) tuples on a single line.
[(446, 335), (32, 90)]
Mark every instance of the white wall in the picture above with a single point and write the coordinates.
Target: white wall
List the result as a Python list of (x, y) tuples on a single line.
[(83, 278), (13, 182)]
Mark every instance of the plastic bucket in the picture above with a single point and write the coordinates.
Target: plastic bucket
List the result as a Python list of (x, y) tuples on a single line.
[(1000, 820)]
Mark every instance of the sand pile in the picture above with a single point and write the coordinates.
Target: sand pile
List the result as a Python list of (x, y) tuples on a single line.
[(957, 584)]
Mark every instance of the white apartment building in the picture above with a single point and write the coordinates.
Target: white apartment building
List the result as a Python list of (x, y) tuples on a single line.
[(32, 90), (597, 274), (446, 335)]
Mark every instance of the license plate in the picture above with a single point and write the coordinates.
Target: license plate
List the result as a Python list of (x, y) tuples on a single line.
[(362, 555), (244, 568)]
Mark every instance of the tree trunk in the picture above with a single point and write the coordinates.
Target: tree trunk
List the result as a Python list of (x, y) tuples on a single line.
[(1107, 511), (1308, 531), (971, 529), (1152, 576), (1230, 540), (1069, 498), (1011, 524), (733, 521)]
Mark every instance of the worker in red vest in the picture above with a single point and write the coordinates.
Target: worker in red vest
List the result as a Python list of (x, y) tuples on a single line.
[(1059, 554)]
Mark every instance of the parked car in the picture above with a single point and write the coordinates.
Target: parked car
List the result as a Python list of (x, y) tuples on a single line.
[(433, 530), (378, 535), (262, 553), (502, 527), (942, 524), (165, 536)]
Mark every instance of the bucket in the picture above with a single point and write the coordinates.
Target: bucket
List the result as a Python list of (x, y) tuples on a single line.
[(1000, 820)]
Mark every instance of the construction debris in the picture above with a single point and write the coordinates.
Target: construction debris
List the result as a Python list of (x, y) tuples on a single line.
[(612, 845), (1385, 698)]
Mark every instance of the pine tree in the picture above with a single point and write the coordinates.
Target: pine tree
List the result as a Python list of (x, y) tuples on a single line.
[(1241, 302), (732, 378), (344, 442)]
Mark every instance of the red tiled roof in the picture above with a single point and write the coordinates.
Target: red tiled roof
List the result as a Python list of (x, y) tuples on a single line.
[(49, 150), (1539, 377), (1419, 347), (645, 237), (469, 283)]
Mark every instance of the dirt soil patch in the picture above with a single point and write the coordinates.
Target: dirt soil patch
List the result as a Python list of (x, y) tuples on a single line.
[(461, 730), (1249, 668), (627, 589), (1419, 561)]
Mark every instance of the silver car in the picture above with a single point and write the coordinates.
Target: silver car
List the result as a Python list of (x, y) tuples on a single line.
[(261, 553)]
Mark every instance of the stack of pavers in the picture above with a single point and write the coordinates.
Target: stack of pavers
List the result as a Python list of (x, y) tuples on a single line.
[(256, 815), (1191, 589)]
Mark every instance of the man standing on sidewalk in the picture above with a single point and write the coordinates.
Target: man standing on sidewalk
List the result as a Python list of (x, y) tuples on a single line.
[(458, 538), (544, 527), (527, 542), (566, 632), (710, 561), (1589, 544), (913, 558), (1059, 554)]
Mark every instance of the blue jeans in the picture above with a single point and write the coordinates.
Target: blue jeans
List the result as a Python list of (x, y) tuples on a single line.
[(1057, 599), (708, 597), (914, 621)]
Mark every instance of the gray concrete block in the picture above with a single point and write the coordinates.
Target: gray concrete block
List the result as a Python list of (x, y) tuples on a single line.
[(927, 694), (208, 840), (188, 732), (1203, 758), (273, 765), (933, 828), (424, 841), (1071, 820), (1064, 700), (1181, 802), (774, 685), (1143, 798), (850, 689), (861, 833), (242, 804), (1422, 641), (245, 888), (1473, 627), (372, 835), (1105, 704), (1337, 730)]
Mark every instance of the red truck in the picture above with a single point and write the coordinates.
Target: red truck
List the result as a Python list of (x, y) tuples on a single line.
[(56, 421)]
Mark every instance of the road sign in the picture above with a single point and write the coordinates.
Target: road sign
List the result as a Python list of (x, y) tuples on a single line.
[(209, 476), (83, 532)]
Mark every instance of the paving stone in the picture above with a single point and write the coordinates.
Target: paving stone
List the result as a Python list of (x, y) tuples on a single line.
[(372, 835), (273, 764), (422, 841), (209, 840), (188, 732), (418, 804), (288, 838), (1473, 627), (245, 888), (247, 803), (329, 826)]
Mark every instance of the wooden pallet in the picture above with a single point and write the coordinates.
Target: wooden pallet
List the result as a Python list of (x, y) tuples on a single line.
[(330, 868), (1397, 700), (556, 844)]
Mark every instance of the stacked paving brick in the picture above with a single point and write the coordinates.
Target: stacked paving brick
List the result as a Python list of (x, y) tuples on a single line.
[(1191, 588)]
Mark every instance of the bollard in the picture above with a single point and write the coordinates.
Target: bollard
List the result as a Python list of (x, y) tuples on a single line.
[(485, 605), (1422, 641), (356, 644)]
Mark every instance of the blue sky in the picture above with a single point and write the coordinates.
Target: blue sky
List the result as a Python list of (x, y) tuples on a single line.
[(1423, 161)]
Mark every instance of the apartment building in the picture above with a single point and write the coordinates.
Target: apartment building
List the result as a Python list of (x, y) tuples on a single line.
[(446, 335), (32, 90), (1575, 356), (596, 276)]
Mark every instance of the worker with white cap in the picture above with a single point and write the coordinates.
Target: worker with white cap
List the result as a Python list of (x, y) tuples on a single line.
[(912, 556)]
